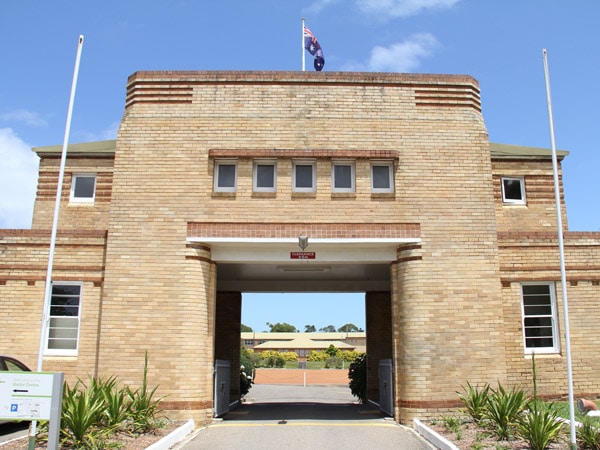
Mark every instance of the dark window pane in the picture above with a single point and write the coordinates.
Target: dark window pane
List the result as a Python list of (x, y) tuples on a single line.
[(539, 342), (304, 176), (342, 175), (265, 176), (226, 176), (538, 322), (538, 310), (84, 187), (512, 189), (381, 177), (532, 289)]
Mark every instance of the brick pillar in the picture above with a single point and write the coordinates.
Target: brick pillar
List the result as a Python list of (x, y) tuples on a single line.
[(227, 335), (379, 337)]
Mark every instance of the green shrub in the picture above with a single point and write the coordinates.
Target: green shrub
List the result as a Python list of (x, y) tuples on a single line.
[(539, 426), (588, 434), (504, 409), (315, 356), (475, 400), (143, 405), (81, 419), (357, 374), (289, 356), (349, 355)]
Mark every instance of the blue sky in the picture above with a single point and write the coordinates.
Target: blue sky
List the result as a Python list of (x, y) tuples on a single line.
[(499, 42)]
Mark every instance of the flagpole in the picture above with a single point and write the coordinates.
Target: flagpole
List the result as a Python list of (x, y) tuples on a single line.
[(563, 276), (48, 288), (302, 47)]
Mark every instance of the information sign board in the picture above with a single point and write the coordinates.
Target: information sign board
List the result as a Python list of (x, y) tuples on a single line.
[(25, 395)]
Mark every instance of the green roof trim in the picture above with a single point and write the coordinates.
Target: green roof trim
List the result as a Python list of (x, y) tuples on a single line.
[(97, 147), (498, 151), (506, 151)]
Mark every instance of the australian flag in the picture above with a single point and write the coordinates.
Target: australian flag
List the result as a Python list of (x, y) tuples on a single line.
[(312, 45)]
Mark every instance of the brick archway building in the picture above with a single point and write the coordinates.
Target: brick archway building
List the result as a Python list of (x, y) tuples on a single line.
[(215, 175)]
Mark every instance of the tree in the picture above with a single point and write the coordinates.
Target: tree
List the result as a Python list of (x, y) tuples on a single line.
[(281, 328), (309, 328), (358, 378), (332, 350), (328, 329), (245, 328), (348, 328)]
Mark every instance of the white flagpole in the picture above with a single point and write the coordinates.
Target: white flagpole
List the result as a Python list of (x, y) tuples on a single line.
[(563, 276), (303, 51), (48, 290)]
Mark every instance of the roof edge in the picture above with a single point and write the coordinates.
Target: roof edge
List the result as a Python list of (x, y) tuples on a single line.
[(508, 151)]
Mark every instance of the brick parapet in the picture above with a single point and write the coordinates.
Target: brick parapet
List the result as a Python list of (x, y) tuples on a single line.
[(314, 230)]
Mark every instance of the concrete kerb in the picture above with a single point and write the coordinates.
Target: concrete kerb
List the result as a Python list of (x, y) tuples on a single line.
[(175, 437), (435, 439)]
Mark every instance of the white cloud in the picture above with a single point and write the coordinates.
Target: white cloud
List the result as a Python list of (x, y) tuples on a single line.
[(18, 180), (319, 5), (402, 8), (110, 132), (403, 56), (388, 8), (24, 116)]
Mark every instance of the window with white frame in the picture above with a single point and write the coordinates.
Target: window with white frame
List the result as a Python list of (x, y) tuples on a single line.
[(225, 176), (304, 179), (382, 178), (83, 188), (264, 177), (65, 316), (540, 329), (342, 176), (513, 190)]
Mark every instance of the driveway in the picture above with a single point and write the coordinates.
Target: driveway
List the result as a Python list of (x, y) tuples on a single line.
[(304, 417)]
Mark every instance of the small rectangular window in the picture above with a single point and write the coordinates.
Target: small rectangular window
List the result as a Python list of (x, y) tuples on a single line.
[(513, 191), (540, 330), (342, 176), (265, 176), (83, 188), (304, 179), (382, 176), (65, 314), (225, 176)]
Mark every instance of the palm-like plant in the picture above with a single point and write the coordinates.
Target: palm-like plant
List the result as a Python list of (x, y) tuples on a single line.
[(81, 413), (475, 400), (540, 426), (588, 434), (504, 409)]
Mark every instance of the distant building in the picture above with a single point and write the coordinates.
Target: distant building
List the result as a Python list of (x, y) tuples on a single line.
[(303, 343)]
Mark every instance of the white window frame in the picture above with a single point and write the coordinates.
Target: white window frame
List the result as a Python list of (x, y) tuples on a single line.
[(390, 167), (553, 317), (337, 163), (509, 201), (225, 162), (304, 162), (59, 351), (264, 162), (73, 198)]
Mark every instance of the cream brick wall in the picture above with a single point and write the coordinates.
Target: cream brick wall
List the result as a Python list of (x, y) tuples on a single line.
[(455, 298)]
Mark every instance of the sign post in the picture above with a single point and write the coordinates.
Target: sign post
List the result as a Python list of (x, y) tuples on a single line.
[(33, 396)]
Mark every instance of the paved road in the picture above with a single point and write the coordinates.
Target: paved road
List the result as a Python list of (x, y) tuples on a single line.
[(13, 430), (298, 417)]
